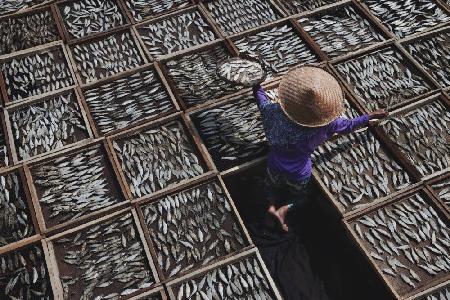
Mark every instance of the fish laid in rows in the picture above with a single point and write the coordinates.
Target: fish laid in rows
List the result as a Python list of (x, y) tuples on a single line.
[(405, 18), (27, 31), (192, 228), (15, 218), (442, 189), (10, 7), (85, 17), (103, 261), (423, 135), (383, 79), (24, 275), (142, 9), (47, 125), (408, 240), (4, 159), (156, 158), (433, 54), (298, 6), (176, 33), (242, 71), (279, 48), (241, 280), (195, 77), (233, 16), (357, 170), (442, 293), (74, 185), (233, 132), (123, 102), (107, 56), (341, 31), (36, 74)]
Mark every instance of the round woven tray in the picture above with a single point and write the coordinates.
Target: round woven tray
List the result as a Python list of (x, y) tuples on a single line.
[(238, 81)]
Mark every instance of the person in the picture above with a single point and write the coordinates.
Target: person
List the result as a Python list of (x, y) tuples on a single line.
[(308, 114)]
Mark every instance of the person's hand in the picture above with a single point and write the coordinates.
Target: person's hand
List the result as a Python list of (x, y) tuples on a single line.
[(378, 114)]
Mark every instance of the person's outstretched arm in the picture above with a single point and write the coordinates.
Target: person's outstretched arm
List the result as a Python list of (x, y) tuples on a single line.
[(261, 97), (344, 126)]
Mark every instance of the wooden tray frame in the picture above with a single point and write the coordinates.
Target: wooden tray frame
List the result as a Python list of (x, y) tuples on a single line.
[(159, 290), (210, 169), (250, 252), (347, 221), (234, 212), (7, 140), (98, 37), (23, 53), (28, 9), (149, 66), (68, 36), (189, 9), (48, 231), (432, 191), (53, 261), (23, 104), (155, 16)]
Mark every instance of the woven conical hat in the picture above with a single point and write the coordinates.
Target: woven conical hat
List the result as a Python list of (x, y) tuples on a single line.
[(310, 96)]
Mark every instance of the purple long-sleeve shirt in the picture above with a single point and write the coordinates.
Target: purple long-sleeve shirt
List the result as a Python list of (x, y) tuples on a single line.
[(291, 145)]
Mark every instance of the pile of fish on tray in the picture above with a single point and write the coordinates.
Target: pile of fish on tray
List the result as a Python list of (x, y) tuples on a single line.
[(176, 33), (294, 7), (356, 169), (126, 101), (47, 125), (36, 73), (9, 7), (24, 275), (195, 78), (433, 54), (408, 240), (27, 31), (242, 71), (86, 17), (192, 228), (106, 261), (279, 48), (404, 18), (341, 32), (243, 279), (157, 157), (234, 16), (74, 185), (108, 56), (15, 218), (383, 79), (142, 9), (423, 136)]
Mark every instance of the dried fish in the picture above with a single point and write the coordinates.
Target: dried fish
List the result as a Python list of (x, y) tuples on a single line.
[(192, 228), (423, 136), (404, 18), (156, 158), (341, 31), (142, 9), (383, 79), (242, 71), (443, 190), (47, 125), (36, 74), (279, 49), (24, 275), (26, 31), (103, 259), (357, 170), (433, 54), (176, 33), (195, 78), (9, 7), (128, 100), (233, 132), (72, 186), (243, 279), (15, 218), (85, 17), (442, 293), (235, 16), (294, 7), (414, 241), (4, 158), (105, 57)]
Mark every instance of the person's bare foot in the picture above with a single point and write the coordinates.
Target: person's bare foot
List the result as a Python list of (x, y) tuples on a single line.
[(281, 215)]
